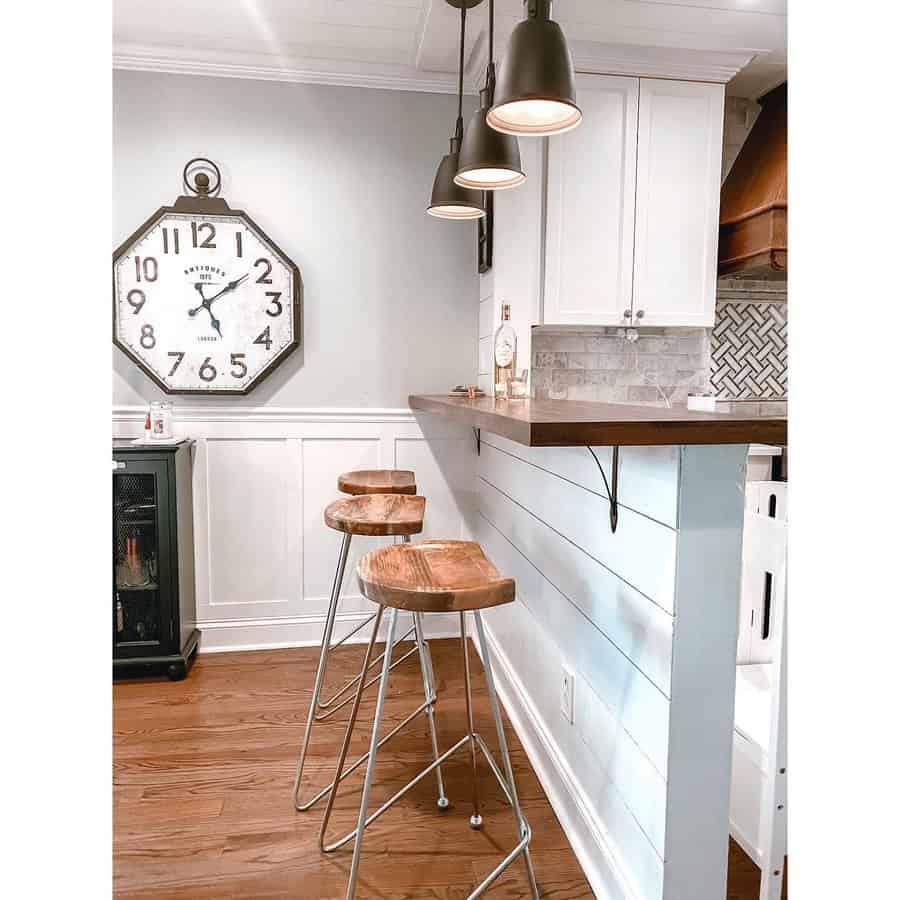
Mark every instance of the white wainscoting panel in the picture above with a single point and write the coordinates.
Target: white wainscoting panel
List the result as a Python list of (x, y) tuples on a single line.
[(262, 477), (252, 559)]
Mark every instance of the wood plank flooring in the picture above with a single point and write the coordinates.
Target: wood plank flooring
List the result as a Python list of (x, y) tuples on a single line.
[(203, 770)]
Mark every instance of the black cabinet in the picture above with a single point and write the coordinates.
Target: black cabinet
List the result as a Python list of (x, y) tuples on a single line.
[(153, 603)]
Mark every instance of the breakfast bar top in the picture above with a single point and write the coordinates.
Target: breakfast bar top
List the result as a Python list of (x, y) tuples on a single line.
[(571, 423)]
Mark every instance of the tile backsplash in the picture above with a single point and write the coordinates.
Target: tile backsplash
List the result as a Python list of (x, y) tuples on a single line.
[(603, 365), (743, 359)]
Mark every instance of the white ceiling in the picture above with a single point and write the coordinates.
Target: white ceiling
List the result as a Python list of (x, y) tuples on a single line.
[(412, 43)]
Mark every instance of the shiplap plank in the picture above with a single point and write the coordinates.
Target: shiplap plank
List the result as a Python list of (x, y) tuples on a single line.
[(641, 552), (635, 704), (638, 627), (648, 476), (536, 662)]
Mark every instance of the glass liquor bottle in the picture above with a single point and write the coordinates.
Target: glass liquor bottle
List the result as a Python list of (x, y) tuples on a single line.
[(504, 354)]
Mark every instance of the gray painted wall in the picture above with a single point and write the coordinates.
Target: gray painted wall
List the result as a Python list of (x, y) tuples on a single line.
[(339, 177)]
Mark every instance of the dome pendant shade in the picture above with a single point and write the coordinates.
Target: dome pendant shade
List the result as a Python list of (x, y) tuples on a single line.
[(488, 159), (448, 199), (535, 93)]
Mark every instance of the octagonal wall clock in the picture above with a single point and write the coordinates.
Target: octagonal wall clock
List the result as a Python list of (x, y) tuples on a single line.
[(203, 300)]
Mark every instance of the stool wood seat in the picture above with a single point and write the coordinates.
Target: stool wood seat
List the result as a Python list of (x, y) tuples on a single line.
[(377, 514), (426, 577), (434, 576), (378, 481)]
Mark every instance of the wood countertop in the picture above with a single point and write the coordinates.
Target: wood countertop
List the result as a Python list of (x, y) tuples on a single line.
[(571, 423)]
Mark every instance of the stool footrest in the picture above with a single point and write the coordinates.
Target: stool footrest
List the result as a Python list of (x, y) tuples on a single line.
[(354, 681), (465, 739), (304, 807)]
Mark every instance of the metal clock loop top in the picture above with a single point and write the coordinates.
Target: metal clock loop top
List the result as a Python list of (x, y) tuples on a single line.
[(201, 187)]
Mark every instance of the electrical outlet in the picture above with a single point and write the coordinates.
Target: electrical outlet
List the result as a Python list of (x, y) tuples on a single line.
[(567, 695)]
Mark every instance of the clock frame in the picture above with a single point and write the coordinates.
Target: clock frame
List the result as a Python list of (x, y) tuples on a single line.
[(204, 204)]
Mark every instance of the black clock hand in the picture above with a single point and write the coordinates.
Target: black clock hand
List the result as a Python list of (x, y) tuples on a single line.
[(208, 302), (229, 287), (204, 305)]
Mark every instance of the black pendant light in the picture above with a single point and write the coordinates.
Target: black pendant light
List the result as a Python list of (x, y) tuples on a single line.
[(448, 199), (488, 159), (535, 92)]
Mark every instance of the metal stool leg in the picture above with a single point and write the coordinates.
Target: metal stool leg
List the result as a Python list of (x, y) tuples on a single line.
[(320, 670), (430, 693), (475, 818), (504, 750), (373, 748), (325, 704)]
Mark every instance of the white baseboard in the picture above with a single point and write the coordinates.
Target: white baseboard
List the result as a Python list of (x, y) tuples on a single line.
[(305, 631), (585, 833)]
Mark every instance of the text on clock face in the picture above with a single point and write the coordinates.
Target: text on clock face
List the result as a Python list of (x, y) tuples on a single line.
[(205, 303)]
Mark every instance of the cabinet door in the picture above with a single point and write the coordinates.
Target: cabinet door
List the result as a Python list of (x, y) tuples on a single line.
[(590, 207), (679, 163), (142, 559)]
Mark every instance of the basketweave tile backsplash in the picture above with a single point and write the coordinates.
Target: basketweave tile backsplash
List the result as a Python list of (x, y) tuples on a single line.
[(749, 351), (744, 357)]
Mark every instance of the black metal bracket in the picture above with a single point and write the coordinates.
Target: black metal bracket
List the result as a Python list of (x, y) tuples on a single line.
[(477, 433), (611, 492)]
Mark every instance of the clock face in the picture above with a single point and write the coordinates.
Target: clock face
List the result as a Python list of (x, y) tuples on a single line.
[(205, 303)]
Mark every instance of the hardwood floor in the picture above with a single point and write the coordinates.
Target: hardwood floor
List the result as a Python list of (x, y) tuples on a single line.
[(203, 771)]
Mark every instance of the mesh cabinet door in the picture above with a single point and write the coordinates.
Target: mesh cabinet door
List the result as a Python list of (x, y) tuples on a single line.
[(142, 569)]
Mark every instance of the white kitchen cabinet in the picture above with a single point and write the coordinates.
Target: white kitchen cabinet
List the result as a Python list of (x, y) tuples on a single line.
[(590, 207), (632, 205), (677, 202)]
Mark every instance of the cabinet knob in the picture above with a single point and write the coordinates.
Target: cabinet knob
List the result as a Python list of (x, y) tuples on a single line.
[(627, 314), (640, 314)]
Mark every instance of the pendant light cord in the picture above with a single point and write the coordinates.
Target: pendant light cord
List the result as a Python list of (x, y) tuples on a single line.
[(459, 92), (489, 76)]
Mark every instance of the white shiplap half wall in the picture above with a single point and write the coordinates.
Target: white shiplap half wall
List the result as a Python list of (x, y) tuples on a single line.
[(624, 613), (262, 478)]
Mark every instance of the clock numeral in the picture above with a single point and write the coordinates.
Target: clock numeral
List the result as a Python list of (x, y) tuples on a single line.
[(177, 363), (237, 360), (264, 278), (264, 338), (148, 339), (207, 371), (239, 241), (207, 243), (165, 233), (147, 266), (276, 302), (136, 298)]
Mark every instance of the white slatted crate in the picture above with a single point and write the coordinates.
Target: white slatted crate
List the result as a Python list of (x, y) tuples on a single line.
[(758, 781)]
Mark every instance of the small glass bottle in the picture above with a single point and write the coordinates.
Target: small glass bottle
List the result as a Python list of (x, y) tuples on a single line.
[(504, 354), (160, 420)]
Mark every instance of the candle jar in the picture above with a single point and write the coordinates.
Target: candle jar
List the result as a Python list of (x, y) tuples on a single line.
[(517, 386), (160, 420)]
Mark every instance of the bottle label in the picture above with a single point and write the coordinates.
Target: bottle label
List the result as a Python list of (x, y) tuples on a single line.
[(503, 353)]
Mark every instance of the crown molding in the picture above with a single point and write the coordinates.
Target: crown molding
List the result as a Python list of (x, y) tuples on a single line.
[(660, 62), (606, 59), (178, 61)]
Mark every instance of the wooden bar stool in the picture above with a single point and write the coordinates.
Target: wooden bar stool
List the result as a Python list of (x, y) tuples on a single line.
[(399, 515), (428, 577), (365, 481)]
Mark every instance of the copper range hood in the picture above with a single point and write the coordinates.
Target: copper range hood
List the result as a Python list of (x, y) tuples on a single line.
[(753, 208)]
